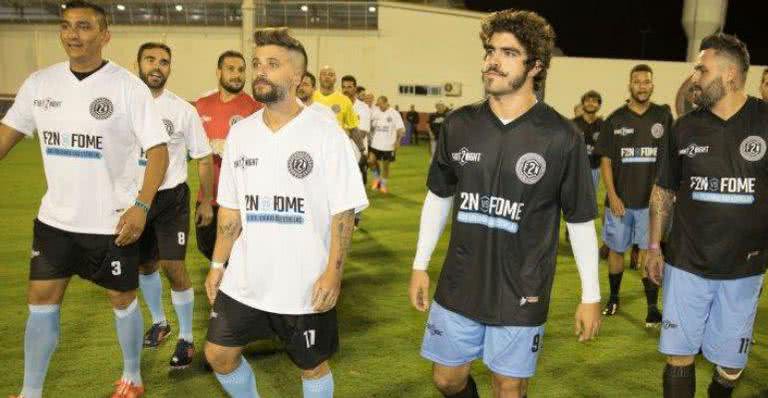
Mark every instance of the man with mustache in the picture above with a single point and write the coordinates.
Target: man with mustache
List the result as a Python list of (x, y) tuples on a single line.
[(590, 125), (92, 117), (289, 188), (628, 145), (164, 241), (511, 165), (713, 179), (220, 111)]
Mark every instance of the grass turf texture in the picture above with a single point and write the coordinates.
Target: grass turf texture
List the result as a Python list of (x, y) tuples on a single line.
[(380, 333)]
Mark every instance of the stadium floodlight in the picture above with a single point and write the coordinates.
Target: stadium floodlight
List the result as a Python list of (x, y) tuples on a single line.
[(371, 9), (304, 8), (179, 8), (121, 7)]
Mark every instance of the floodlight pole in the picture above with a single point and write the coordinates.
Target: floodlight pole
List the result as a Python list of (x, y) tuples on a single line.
[(248, 9)]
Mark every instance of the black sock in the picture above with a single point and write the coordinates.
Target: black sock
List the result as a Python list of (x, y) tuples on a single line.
[(615, 281), (679, 381), (651, 292), (720, 387), (469, 391)]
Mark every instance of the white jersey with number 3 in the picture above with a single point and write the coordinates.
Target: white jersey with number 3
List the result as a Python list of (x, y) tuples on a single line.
[(385, 125)]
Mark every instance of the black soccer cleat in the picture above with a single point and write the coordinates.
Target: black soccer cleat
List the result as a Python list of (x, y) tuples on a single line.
[(182, 356), (611, 308), (156, 335), (653, 319)]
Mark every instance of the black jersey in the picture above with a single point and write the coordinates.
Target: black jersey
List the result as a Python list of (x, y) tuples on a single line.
[(719, 173), (631, 140), (510, 184), (591, 132)]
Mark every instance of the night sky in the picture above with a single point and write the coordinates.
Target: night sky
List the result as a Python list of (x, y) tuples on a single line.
[(637, 29)]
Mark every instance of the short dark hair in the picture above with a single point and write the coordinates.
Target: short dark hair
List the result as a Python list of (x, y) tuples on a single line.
[(150, 46), (349, 78), (280, 37), (731, 47), (533, 32), (765, 73), (359, 89), (592, 94), (311, 78), (640, 68), (101, 15), (229, 54)]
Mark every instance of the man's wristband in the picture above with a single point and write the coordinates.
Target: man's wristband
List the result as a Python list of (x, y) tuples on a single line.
[(141, 205), (217, 265), (654, 246)]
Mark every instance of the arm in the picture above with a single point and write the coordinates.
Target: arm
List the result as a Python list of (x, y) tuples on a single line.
[(606, 170), (8, 139), (662, 201), (358, 137), (205, 172), (585, 252), (400, 134), (434, 216), (228, 230), (326, 290)]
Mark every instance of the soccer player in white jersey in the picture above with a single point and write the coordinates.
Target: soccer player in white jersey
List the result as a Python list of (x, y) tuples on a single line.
[(387, 129), (164, 241), (306, 92), (288, 191), (362, 132), (92, 116)]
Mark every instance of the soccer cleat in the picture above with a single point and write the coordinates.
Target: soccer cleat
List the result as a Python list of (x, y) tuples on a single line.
[(376, 184), (126, 389), (182, 356), (384, 189), (611, 308), (156, 335), (653, 319)]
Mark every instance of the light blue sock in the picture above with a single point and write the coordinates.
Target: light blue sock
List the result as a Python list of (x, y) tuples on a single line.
[(376, 173), (129, 324), (241, 383), (40, 340), (184, 302), (383, 182), (319, 388), (152, 290)]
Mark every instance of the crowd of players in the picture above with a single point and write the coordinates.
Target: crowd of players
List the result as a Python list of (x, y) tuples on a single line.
[(282, 184)]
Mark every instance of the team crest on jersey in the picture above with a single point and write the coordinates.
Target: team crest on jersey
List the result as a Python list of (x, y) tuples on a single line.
[(752, 148), (234, 119), (657, 130), (464, 156), (336, 108), (624, 131), (168, 127), (530, 168), (300, 164), (101, 108)]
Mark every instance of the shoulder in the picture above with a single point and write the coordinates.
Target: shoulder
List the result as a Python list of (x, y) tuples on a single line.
[(555, 123), (51, 72), (119, 74), (617, 114), (249, 124)]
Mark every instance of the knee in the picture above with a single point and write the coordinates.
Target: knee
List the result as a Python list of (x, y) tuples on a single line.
[(222, 361), (121, 300), (507, 385), (680, 361), (177, 275), (317, 372), (449, 384), (148, 268)]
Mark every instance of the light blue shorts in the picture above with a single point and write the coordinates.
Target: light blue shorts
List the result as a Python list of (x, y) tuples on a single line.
[(619, 233), (714, 316), (451, 339)]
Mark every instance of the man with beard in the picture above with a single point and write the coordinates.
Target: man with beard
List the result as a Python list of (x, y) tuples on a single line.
[(713, 173), (590, 124), (92, 117), (164, 241), (289, 189), (220, 111), (628, 145), (306, 92), (338, 102), (387, 129), (764, 85), (361, 134), (512, 165)]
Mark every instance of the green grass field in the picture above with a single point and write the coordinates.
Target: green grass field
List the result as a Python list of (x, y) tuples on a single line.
[(380, 333)]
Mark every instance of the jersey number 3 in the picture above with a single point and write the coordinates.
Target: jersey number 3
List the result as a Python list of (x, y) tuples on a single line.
[(116, 268)]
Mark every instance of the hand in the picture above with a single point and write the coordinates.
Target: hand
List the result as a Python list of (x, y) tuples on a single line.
[(418, 291), (130, 226), (654, 265), (587, 321), (326, 291), (212, 282), (617, 206), (204, 214)]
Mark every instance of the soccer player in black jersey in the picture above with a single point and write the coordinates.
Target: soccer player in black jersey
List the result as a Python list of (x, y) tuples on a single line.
[(714, 173), (590, 124), (628, 146), (511, 165)]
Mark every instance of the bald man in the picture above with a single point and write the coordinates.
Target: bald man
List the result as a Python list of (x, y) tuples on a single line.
[(338, 102)]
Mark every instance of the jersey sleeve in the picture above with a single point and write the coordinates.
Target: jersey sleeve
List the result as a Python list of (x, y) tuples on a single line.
[(364, 122), (399, 121), (342, 175), (227, 187), (604, 145), (197, 141), (143, 118), (21, 116), (442, 178), (577, 191), (350, 116), (668, 162)]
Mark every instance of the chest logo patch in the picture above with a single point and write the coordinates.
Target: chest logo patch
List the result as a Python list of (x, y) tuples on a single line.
[(753, 148), (168, 127), (624, 131), (464, 156), (530, 168), (300, 164), (336, 108), (692, 150), (101, 108), (657, 130), (234, 119)]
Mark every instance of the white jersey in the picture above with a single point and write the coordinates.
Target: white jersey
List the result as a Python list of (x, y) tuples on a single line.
[(287, 185), (385, 125), (327, 111), (186, 138), (90, 134), (363, 115)]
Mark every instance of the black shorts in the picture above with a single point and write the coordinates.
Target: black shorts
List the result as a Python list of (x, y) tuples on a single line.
[(309, 339), (58, 254), (206, 236), (383, 155), (363, 165), (167, 230)]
